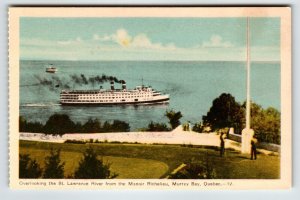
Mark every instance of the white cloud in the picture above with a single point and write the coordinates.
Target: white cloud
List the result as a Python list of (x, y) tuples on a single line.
[(96, 37), (143, 41), (121, 37), (67, 42), (123, 46), (139, 41), (216, 41), (78, 40), (104, 38)]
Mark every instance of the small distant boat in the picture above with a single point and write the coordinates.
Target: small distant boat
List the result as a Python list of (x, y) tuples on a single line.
[(51, 69)]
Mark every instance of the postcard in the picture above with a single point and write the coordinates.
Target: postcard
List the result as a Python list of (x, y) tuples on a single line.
[(193, 98)]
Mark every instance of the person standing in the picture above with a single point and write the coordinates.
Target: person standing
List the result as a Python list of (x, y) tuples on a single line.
[(253, 148), (222, 145)]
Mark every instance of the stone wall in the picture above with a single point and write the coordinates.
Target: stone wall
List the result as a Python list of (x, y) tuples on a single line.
[(260, 145)]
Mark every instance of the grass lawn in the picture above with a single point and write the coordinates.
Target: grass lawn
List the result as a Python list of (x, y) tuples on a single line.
[(119, 165), (157, 161)]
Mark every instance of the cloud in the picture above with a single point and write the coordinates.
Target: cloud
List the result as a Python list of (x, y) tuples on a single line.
[(122, 37), (216, 41), (143, 41), (122, 46), (104, 38), (78, 40), (96, 37), (139, 41)]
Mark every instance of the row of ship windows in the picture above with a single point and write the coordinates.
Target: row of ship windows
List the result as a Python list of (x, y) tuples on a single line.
[(87, 101), (121, 95), (68, 97)]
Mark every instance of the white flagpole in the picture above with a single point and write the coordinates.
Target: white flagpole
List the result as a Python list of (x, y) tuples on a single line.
[(247, 133), (248, 105)]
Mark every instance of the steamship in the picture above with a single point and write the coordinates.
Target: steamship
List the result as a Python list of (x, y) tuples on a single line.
[(139, 95), (51, 69)]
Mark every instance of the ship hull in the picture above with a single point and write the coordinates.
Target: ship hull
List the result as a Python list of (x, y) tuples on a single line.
[(157, 101)]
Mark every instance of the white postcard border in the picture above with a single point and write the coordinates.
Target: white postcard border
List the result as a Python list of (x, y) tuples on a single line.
[(286, 107)]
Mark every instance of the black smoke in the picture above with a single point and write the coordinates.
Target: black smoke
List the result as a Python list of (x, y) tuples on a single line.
[(55, 82)]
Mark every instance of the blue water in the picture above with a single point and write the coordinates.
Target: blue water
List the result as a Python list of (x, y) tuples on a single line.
[(192, 87)]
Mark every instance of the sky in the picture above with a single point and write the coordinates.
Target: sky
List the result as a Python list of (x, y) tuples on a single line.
[(203, 39)]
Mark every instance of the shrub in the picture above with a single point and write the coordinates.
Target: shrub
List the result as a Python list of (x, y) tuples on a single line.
[(196, 170), (198, 127), (75, 141), (120, 126), (28, 168), (33, 127), (90, 167), (157, 127), (53, 166), (92, 126), (59, 124)]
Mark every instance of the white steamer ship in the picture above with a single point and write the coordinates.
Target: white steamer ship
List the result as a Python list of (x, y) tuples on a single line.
[(138, 95)]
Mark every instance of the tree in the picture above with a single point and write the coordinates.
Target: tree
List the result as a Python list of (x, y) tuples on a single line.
[(33, 127), (106, 127), (28, 168), (173, 117), (157, 127), (119, 126), (59, 124), (225, 112), (198, 127), (265, 123), (22, 124), (92, 126), (54, 168), (90, 167)]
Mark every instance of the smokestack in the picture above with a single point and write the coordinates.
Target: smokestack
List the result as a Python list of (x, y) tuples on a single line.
[(123, 85), (112, 86)]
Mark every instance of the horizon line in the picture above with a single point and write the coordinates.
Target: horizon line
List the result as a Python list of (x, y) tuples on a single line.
[(265, 61)]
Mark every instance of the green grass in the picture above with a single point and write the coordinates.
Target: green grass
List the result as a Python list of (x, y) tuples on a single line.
[(118, 165), (141, 160)]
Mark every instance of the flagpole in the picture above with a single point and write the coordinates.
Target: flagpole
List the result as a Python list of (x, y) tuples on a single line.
[(248, 105), (247, 133)]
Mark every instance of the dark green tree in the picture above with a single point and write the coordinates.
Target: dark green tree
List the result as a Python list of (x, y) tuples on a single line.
[(54, 168), (33, 127), (157, 127), (90, 167), (198, 127), (28, 168), (106, 127), (225, 112), (92, 126), (173, 117), (119, 126), (78, 128), (59, 124), (22, 124)]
